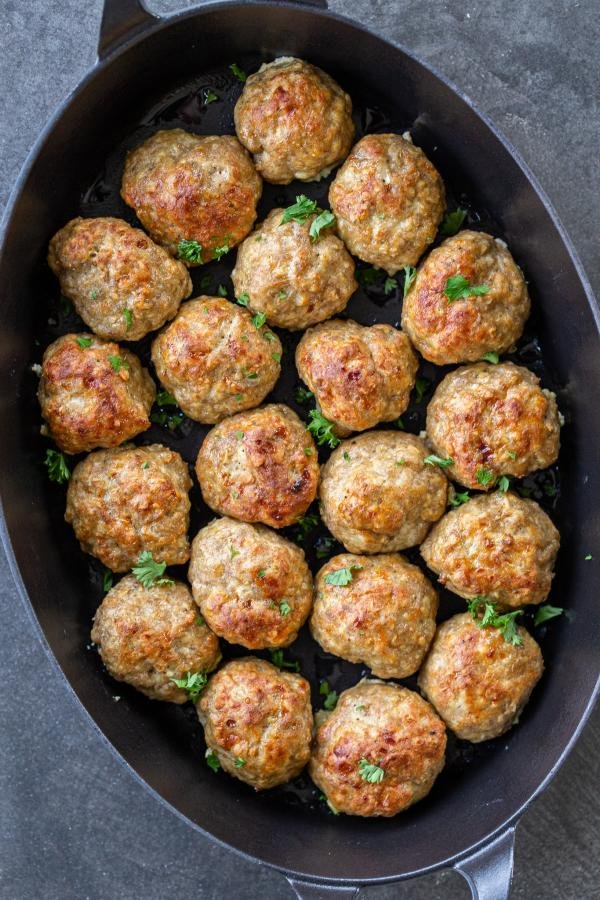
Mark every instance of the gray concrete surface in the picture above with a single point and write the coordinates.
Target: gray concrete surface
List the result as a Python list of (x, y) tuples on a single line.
[(73, 824)]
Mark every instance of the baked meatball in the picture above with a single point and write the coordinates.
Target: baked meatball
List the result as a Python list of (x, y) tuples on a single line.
[(122, 284), (378, 494), (252, 586), (258, 721), (215, 361), (477, 681), (93, 393), (149, 637), (295, 119), (493, 420), (192, 188), (388, 200), (464, 329), (496, 545), (292, 279), (384, 617), (379, 751), (359, 376), (259, 466), (129, 500)]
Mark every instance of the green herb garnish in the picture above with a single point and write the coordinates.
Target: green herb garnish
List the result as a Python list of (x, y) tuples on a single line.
[(84, 342), (194, 683), (324, 220), (128, 316), (433, 460), (243, 299), (259, 319), (149, 572), (491, 357), (410, 273), (208, 96), (460, 288), (285, 608), (190, 251), (370, 772), (341, 577), (389, 285), (543, 613), (57, 467), (331, 696), (452, 222), (278, 660), (322, 429), (299, 211), (212, 760), (484, 477), (490, 618), (239, 73), (458, 498)]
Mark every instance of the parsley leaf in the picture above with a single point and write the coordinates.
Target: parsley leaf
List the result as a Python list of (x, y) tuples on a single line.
[(491, 619), (149, 572), (543, 613), (389, 285), (278, 660), (433, 460), (56, 464), (324, 220), (503, 483), (190, 251), (491, 357), (458, 498), (84, 342), (243, 299), (212, 760), (324, 546), (164, 398), (194, 683), (367, 276), (370, 772), (341, 577), (303, 395), (221, 291), (128, 316), (300, 210), (208, 96), (239, 73), (239, 762), (410, 273), (219, 252), (484, 477), (331, 696), (322, 429), (233, 552), (259, 319), (107, 580), (421, 387), (306, 524), (460, 288), (453, 222), (117, 362), (285, 608)]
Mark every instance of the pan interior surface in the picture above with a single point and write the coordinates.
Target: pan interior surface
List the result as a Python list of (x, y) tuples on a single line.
[(159, 82)]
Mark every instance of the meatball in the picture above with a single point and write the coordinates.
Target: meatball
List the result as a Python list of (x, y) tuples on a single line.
[(150, 637), (215, 361), (194, 189), (252, 586), (384, 617), (259, 466), (379, 751), (359, 376), (122, 284), (492, 421), (388, 200), (379, 495), (258, 721), (477, 681), (496, 545), (465, 329), (93, 393), (293, 280), (129, 500), (295, 119)]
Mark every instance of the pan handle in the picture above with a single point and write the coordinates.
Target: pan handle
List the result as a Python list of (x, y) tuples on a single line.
[(488, 872), (310, 890), (120, 20)]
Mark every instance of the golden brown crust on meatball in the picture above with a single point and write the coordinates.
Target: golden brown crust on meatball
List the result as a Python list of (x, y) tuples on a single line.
[(463, 330), (496, 545), (377, 493), (122, 284), (259, 466), (93, 393), (491, 421), (150, 636), (477, 681), (294, 280), (252, 585), (124, 501), (214, 361), (385, 617), (260, 717), (388, 200), (189, 187), (359, 376), (295, 119), (387, 726)]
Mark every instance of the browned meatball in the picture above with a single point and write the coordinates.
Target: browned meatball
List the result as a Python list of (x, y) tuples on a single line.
[(491, 421), (388, 200), (122, 284), (464, 329), (383, 616), (93, 393), (122, 502), (150, 637), (379, 751), (477, 681), (496, 545), (215, 361), (359, 376), (295, 119), (378, 494), (252, 586), (259, 466), (188, 187), (258, 721), (292, 279)]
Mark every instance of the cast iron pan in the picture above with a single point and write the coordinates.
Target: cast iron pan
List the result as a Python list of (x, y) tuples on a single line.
[(151, 75)]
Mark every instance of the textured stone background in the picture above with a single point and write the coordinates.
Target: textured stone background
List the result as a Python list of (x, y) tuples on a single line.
[(73, 823)]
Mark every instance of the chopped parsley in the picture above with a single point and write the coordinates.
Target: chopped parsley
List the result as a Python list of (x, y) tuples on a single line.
[(145, 464), (190, 251), (148, 572), (57, 467), (370, 772), (308, 451), (233, 552), (219, 252), (484, 477), (543, 613), (239, 435), (93, 296), (399, 423), (458, 498), (460, 288), (324, 546), (331, 696), (511, 454), (421, 387), (199, 620), (171, 420), (285, 608), (324, 220), (208, 96), (389, 285), (322, 429), (107, 580), (117, 362), (306, 524), (212, 760), (410, 273), (452, 222), (490, 618), (503, 483), (491, 357), (240, 762), (303, 395), (367, 276), (278, 660), (282, 295), (84, 342), (205, 283), (299, 211), (261, 573), (164, 398), (588, 557), (222, 291), (259, 319), (251, 375), (128, 316), (243, 299), (346, 456), (239, 73), (341, 577), (194, 683), (433, 460), (277, 358)]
